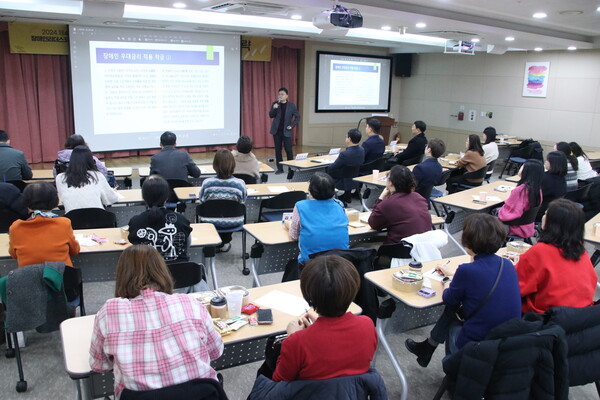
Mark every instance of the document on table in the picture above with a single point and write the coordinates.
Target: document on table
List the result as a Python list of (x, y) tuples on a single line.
[(488, 198), (85, 241), (284, 302), (251, 191), (278, 189)]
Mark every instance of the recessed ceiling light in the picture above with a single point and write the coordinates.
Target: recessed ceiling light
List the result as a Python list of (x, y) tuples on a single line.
[(509, 38), (570, 12), (571, 48), (421, 25), (386, 27), (538, 49), (296, 16), (598, 9), (540, 15), (475, 40), (179, 5)]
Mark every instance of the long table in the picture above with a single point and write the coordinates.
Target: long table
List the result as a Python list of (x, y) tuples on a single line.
[(241, 347), (97, 263), (47, 174), (207, 169)]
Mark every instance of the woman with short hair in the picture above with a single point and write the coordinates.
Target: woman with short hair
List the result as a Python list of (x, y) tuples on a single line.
[(329, 342), (82, 186), (319, 223), (399, 209), (150, 337), (557, 270), (245, 161), (223, 187)]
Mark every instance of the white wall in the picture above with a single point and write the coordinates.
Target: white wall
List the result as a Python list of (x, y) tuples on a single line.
[(441, 83)]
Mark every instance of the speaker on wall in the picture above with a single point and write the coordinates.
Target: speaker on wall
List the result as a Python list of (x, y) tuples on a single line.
[(403, 64)]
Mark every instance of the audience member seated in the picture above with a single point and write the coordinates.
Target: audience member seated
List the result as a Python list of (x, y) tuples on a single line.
[(471, 161), (12, 200), (44, 236), (399, 209), (13, 165), (490, 148), (332, 342), (245, 160), (171, 163), (165, 230), (554, 185), (64, 155), (82, 185), (319, 223), (557, 270), (415, 148), (353, 156), (487, 289), (584, 170), (429, 172), (150, 337), (572, 165), (224, 187), (526, 195), (374, 146)]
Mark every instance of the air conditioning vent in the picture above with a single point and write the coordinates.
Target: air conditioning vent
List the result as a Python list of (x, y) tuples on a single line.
[(451, 34), (250, 8)]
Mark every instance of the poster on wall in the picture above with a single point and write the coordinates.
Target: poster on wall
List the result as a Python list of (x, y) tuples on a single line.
[(535, 81)]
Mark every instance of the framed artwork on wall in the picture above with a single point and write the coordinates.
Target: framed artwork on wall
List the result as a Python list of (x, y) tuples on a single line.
[(535, 81)]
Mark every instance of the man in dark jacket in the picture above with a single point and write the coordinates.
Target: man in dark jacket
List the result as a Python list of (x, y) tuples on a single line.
[(10, 199), (415, 149), (374, 145), (285, 117), (13, 165), (353, 156), (171, 163)]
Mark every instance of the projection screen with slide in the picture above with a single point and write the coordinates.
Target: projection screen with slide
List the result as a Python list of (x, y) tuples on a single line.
[(129, 86)]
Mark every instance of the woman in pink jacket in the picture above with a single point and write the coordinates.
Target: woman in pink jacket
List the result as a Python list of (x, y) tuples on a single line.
[(526, 195)]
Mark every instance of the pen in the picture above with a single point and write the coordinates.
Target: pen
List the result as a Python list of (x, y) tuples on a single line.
[(438, 270)]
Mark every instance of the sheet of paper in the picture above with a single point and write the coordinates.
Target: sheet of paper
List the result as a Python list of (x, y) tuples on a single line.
[(284, 302), (323, 160), (251, 191), (203, 170), (278, 189), (488, 198), (431, 274), (85, 240), (364, 217)]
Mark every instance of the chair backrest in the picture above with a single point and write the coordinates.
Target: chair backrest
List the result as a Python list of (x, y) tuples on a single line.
[(490, 169), (370, 166), (395, 250), (283, 201), (221, 209), (425, 191), (415, 160), (197, 389), (7, 217), (578, 195), (248, 179), (444, 177), (528, 217), (186, 274), (92, 218), (19, 184), (479, 174), (350, 171)]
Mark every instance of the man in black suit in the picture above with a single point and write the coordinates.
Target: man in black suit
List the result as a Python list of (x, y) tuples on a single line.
[(13, 165), (171, 163), (285, 117), (413, 154), (353, 156)]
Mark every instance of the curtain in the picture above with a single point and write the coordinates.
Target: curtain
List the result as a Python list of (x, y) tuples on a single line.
[(260, 82)]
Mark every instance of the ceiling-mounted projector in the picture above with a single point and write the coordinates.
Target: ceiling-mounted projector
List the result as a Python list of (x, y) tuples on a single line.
[(337, 18)]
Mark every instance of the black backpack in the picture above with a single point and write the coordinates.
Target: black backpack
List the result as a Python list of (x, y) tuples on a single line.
[(60, 166)]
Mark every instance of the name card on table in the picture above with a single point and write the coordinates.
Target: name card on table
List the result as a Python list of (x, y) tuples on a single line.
[(334, 152), (301, 156)]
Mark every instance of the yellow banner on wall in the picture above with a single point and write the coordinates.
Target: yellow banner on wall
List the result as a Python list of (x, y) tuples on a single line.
[(256, 48), (30, 38)]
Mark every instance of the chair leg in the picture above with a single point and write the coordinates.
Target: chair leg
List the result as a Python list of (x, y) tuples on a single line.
[(595, 258), (81, 302), (441, 390), (22, 383), (245, 270), (504, 168)]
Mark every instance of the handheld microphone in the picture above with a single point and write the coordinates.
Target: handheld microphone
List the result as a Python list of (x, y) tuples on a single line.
[(278, 101)]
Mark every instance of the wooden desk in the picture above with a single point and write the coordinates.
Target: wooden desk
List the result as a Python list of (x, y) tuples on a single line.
[(256, 190), (304, 169), (243, 346), (207, 169), (464, 199), (449, 160), (514, 179), (593, 155), (97, 263), (398, 147), (508, 142), (47, 174)]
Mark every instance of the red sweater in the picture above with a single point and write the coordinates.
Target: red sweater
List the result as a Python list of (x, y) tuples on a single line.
[(547, 279), (329, 348)]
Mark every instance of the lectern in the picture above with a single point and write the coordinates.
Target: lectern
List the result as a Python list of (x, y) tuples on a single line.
[(386, 126)]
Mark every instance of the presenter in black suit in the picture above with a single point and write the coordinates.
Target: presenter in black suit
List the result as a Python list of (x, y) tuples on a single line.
[(285, 117)]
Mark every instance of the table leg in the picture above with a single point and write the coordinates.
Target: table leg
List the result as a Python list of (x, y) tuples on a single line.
[(255, 266), (381, 323)]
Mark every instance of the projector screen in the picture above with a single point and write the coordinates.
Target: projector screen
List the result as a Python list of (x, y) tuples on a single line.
[(353, 82), (129, 86)]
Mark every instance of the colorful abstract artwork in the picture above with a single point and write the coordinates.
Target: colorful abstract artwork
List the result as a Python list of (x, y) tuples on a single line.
[(535, 82)]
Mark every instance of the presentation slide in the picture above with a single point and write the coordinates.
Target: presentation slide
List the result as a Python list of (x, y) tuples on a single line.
[(351, 82), (129, 86)]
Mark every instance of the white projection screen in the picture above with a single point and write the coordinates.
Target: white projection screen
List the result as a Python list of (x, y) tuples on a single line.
[(353, 82), (129, 86)]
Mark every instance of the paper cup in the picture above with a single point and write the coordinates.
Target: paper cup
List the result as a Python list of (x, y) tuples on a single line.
[(482, 196), (234, 303), (375, 174)]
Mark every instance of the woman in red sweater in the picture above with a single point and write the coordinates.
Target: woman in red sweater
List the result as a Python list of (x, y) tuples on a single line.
[(333, 343), (557, 271)]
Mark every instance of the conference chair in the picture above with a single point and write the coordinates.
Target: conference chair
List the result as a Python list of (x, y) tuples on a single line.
[(92, 218), (196, 389), (248, 179), (435, 193), (283, 202), (528, 217), (425, 192), (21, 185), (215, 210), (579, 195), (490, 171), (387, 252), (348, 184), (173, 202), (412, 161), (479, 174), (367, 169), (7, 217), (188, 274), (528, 149)]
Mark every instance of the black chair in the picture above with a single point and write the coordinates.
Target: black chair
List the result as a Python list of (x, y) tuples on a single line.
[(197, 389), (528, 149), (579, 195), (414, 160), (73, 284), (173, 201), (283, 202), (7, 217), (443, 178), (214, 210), (479, 174), (186, 274), (92, 218), (248, 179), (425, 191), (490, 171), (528, 217), (20, 184), (348, 184), (367, 169), (387, 252)]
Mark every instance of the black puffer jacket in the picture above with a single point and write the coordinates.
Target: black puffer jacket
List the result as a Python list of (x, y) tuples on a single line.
[(519, 360), (582, 328)]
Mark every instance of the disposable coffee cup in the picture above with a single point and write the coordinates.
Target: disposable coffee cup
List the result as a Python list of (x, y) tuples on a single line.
[(234, 303), (482, 196), (375, 174)]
